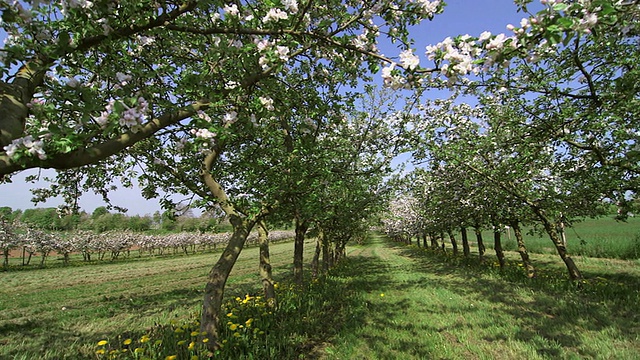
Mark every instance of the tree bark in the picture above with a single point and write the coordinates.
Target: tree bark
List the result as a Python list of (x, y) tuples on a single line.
[(265, 265), (466, 250), (481, 248), (549, 227), (326, 252), (497, 245), (298, 251), (315, 262), (454, 243), (522, 249), (434, 242)]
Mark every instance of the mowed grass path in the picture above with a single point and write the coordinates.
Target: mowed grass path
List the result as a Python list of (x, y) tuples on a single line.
[(419, 307)]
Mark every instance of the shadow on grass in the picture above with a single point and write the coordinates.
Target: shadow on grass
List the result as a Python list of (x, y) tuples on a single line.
[(553, 314)]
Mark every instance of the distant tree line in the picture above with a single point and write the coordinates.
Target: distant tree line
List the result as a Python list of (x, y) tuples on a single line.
[(102, 220)]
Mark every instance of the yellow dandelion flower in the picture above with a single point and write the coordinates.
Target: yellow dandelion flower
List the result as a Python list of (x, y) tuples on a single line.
[(233, 327), (102, 342), (144, 339), (127, 342), (382, 295), (138, 351), (100, 351), (248, 322), (275, 286), (182, 342), (171, 357), (179, 330), (236, 334), (205, 340), (229, 314), (192, 345), (195, 333), (114, 351)]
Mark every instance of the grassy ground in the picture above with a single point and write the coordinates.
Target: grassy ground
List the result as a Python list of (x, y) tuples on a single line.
[(602, 237), (386, 301), (421, 305), (60, 312)]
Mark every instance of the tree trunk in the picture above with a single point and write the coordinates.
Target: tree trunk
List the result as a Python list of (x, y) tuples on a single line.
[(424, 240), (522, 249), (315, 262), (298, 251), (454, 243), (265, 265), (481, 248), (465, 242), (549, 227), (434, 242), (326, 252), (497, 245), (214, 290)]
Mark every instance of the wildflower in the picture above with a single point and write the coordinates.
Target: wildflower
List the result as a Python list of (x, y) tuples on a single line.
[(100, 352), (102, 342), (138, 351), (182, 342), (195, 333), (171, 357), (205, 340), (127, 342), (179, 330), (233, 327), (192, 345), (248, 322), (144, 339), (382, 295)]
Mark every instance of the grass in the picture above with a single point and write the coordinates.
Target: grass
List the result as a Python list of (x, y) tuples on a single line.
[(61, 312), (386, 301), (602, 237), (437, 306)]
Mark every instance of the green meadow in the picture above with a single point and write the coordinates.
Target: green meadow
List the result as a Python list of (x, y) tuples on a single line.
[(385, 301)]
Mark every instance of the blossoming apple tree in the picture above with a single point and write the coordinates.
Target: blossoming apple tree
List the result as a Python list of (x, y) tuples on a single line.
[(175, 85)]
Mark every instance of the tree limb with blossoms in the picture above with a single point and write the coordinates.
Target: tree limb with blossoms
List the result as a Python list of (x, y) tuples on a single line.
[(84, 80)]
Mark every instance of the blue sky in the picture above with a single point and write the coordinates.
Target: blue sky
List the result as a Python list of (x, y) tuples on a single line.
[(460, 17)]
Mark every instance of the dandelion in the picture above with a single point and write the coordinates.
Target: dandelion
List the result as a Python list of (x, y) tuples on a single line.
[(100, 352), (192, 345), (138, 351), (205, 340), (233, 327), (171, 357), (382, 295), (102, 342), (248, 322), (144, 339), (182, 342), (195, 333), (127, 342)]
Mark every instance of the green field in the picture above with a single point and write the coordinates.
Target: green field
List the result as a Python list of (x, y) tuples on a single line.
[(386, 301)]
